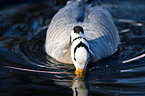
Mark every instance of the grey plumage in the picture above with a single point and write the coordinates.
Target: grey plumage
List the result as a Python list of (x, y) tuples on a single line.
[(99, 29)]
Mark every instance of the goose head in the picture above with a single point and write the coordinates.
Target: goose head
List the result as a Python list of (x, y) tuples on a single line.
[(79, 51)]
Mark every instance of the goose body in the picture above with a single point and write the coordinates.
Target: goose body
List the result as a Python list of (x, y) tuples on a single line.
[(99, 31)]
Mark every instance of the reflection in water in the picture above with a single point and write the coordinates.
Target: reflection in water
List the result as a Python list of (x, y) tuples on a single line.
[(80, 88), (135, 58)]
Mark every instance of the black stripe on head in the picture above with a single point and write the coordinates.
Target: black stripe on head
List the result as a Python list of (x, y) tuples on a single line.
[(77, 29), (79, 38), (80, 45)]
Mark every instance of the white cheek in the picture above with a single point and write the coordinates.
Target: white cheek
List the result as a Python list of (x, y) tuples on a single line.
[(81, 56), (74, 44), (74, 35)]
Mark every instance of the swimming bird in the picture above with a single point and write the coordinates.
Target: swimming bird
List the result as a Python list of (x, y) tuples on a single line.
[(81, 33)]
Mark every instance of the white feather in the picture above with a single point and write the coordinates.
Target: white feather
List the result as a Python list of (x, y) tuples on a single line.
[(81, 58)]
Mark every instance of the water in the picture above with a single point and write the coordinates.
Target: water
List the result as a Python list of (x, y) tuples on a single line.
[(26, 70)]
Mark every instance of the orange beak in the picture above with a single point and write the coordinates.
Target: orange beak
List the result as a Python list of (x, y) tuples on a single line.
[(80, 73)]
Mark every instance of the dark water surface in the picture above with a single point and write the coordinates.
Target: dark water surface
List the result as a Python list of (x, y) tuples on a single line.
[(26, 70)]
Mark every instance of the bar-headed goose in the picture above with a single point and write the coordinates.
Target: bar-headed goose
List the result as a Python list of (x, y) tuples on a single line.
[(80, 33)]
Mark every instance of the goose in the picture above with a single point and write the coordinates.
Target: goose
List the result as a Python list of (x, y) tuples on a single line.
[(81, 33)]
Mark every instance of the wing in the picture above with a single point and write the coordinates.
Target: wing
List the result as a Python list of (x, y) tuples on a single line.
[(101, 32), (58, 35)]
